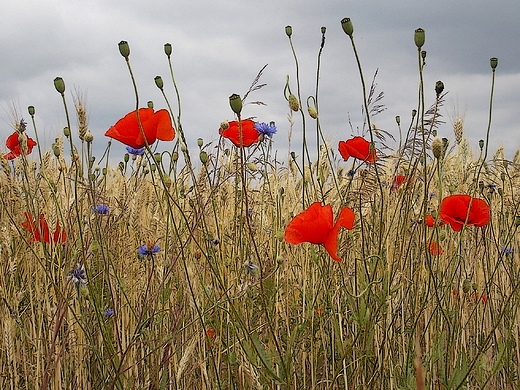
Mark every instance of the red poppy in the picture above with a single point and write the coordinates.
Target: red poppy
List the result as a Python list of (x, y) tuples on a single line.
[(156, 125), (41, 232), (357, 147), (398, 181), (315, 225), (435, 248), (454, 210), (431, 222), (13, 143), (247, 137)]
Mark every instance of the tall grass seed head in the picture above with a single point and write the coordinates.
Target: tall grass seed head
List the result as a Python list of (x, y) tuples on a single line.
[(419, 37), (347, 26), (293, 103), (458, 129)]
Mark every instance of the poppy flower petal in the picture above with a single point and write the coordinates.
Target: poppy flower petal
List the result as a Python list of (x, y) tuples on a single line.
[(165, 131), (357, 147), (454, 210), (345, 219), (247, 137), (312, 225), (429, 220), (12, 141)]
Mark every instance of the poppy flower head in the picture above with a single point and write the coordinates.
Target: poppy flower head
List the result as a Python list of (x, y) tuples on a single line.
[(40, 231), (18, 144), (435, 248), (455, 209), (245, 134), (316, 225), (359, 148), (397, 182), (155, 125), (430, 221)]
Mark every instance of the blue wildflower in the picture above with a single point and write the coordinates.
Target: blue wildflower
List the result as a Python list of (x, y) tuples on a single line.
[(109, 312), (78, 276), (266, 129), (135, 152), (102, 209), (148, 250), (431, 194), (351, 173), (507, 251), (250, 267)]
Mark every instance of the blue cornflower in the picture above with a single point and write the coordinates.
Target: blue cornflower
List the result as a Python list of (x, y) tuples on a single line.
[(101, 209), (250, 267), (77, 275), (431, 194), (507, 251), (266, 129), (109, 312), (135, 152), (149, 249), (351, 173)]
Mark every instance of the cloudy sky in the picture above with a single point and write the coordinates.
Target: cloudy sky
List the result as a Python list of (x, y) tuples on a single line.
[(219, 46)]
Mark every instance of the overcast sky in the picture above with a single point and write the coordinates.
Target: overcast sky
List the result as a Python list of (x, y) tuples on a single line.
[(219, 46)]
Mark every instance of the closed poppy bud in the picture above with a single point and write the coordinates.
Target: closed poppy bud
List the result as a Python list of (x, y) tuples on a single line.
[(288, 31), (414, 113), (124, 49), (236, 103), (252, 166), (481, 144), (423, 54), (56, 151), (167, 180), (168, 49), (501, 191), (466, 285), (149, 104), (419, 37), (89, 137), (481, 185), (293, 103), (127, 157), (157, 157), (517, 220), (442, 235), (439, 87), (323, 29), (474, 286), (59, 84), (175, 156), (293, 155), (224, 125), (398, 119), (104, 171), (203, 157), (494, 63), (312, 112), (347, 26), (66, 131), (31, 110), (159, 82), (200, 142), (153, 167)]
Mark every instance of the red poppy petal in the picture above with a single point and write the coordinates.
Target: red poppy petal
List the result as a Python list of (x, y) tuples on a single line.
[(454, 210), (345, 219), (165, 131), (248, 136), (429, 220), (12, 141), (343, 150), (312, 225), (127, 131), (479, 213)]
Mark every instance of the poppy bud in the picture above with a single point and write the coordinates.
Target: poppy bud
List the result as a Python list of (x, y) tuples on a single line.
[(175, 156), (224, 125), (59, 84), (434, 214), (466, 285), (89, 137), (203, 157), (293, 103), (414, 113), (159, 82), (236, 103), (183, 147), (56, 151), (419, 37), (66, 132), (104, 171), (494, 63), (127, 157), (398, 119), (501, 191), (31, 110), (517, 220), (323, 29), (293, 155), (474, 286), (200, 142), (312, 112), (442, 235), (288, 31), (481, 144), (434, 133), (252, 166), (347, 26), (97, 168), (437, 148), (168, 49), (505, 163), (153, 167), (149, 104), (157, 157), (124, 49), (481, 185), (503, 176), (439, 87)]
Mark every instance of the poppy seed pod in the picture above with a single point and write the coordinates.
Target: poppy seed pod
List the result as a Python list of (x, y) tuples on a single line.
[(236, 103), (157, 157), (124, 49), (323, 30), (66, 132), (312, 112), (347, 26), (168, 49), (89, 137), (288, 31), (59, 84), (31, 110), (419, 37), (398, 119), (481, 144), (149, 104), (439, 87), (200, 142), (203, 157), (293, 103), (159, 82), (126, 157), (494, 63)]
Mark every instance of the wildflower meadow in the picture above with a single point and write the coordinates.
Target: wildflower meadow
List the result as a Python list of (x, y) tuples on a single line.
[(387, 261)]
